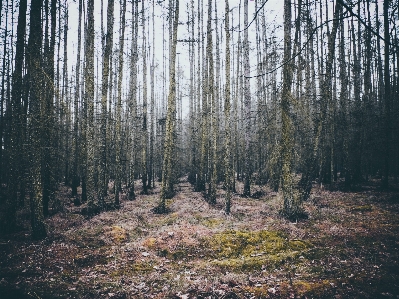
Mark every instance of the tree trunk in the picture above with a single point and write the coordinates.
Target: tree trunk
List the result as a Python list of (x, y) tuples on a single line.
[(291, 205), (16, 142), (75, 177), (228, 173), (247, 104), (119, 106), (212, 100), (36, 99), (89, 101), (387, 97), (170, 123), (103, 181), (144, 132)]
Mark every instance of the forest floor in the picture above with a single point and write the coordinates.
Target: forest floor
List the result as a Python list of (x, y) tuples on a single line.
[(348, 247)]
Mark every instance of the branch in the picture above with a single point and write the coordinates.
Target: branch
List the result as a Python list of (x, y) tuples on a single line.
[(300, 51), (256, 14), (364, 23)]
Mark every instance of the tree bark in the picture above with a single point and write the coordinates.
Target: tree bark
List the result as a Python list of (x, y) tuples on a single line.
[(247, 104), (16, 138), (103, 181), (36, 100), (227, 158), (118, 128), (89, 101), (170, 122)]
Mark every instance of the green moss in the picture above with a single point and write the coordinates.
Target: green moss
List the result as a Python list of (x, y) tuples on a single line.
[(210, 222), (253, 250), (169, 219)]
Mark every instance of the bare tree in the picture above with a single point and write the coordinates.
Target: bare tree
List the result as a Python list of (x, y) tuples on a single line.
[(167, 187)]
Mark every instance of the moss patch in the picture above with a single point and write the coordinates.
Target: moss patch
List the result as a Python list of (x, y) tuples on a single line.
[(244, 250), (210, 222), (116, 234)]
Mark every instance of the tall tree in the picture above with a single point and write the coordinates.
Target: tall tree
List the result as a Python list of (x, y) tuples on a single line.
[(118, 127), (247, 105), (48, 117), (291, 206), (227, 127), (36, 129), (212, 100), (144, 131), (89, 102), (132, 102), (103, 181), (152, 106), (387, 96), (167, 187), (15, 171), (75, 176)]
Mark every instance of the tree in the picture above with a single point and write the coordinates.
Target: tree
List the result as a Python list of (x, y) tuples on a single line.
[(144, 131), (103, 181), (227, 127), (132, 102), (36, 126), (387, 96), (16, 138), (167, 187), (247, 106), (89, 102), (75, 177), (291, 205), (48, 113), (211, 97), (119, 105)]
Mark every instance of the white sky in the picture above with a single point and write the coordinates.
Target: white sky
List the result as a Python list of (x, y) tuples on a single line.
[(273, 9)]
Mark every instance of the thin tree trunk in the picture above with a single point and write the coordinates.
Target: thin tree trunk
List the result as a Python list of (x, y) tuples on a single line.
[(212, 100), (75, 178), (170, 123), (290, 208), (133, 99), (387, 97), (247, 104), (227, 158), (144, 131), (119, 105), (103, 181)]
